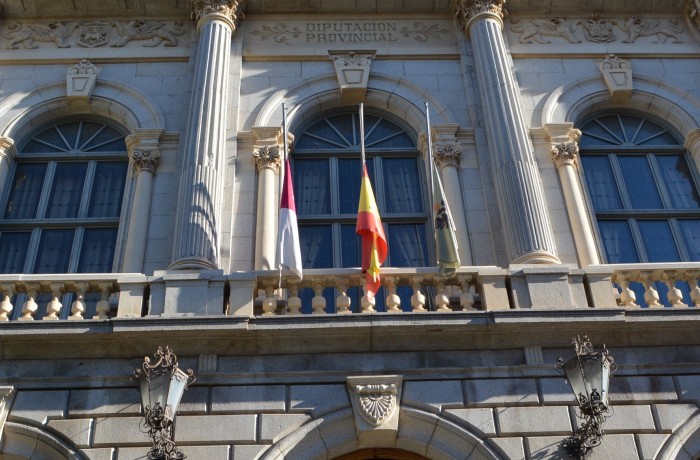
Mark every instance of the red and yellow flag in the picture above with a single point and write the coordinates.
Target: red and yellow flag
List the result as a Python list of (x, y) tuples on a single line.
[(369, 227)]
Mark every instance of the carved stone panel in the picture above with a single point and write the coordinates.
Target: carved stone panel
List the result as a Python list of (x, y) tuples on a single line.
[(352, 70), (618, 77), (375, 402)]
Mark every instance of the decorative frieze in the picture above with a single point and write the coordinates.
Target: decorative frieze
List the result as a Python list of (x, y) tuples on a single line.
[(596, 29), (447, 155), (617, 74), (267, 157), (93, 34), (468, 10), (231, 9)]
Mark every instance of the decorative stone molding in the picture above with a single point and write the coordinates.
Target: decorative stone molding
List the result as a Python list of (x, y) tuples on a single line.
[(81, 79), (156, 32), (566, 152), (375, 402), (352, 70), (232, 10), (267, 157), (618, 77), (7, 393), (7, 149), (144, 149), (468, 10), (27, 36), (448, 155), (597, 29), (145, 159)]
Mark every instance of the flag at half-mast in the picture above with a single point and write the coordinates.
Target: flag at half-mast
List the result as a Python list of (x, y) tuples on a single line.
[(369, 227), (289, 252), (444, 227)]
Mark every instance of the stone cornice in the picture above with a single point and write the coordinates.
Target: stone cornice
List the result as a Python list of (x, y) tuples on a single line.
[(467, 11), (229, 10)]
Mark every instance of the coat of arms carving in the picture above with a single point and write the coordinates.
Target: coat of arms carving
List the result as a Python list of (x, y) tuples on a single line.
[(94, 34), (598, 30)]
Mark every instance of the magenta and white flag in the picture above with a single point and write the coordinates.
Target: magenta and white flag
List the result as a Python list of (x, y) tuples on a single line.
[(288, 233)]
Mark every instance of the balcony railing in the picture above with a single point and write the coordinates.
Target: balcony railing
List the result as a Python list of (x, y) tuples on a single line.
[(340, 292)]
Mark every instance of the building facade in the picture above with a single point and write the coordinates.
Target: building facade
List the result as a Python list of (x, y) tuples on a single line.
[(141, 144)]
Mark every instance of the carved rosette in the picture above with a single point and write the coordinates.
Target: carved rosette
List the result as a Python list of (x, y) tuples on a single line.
[(448, 155), (377, 402), (468, 10), (267, 157), (565, 153), (231, 9), (145, 159)]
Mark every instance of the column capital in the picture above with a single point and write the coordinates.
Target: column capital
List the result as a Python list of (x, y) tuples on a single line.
[(230, 11), (144, 149), (467, 11), (564, 140), (448, 155), (147, 160), (7, 148), (565, 153), (267, 157)]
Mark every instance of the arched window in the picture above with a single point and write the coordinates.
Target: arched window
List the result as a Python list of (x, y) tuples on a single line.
[(643, 188), (61, 207), (326, 162)]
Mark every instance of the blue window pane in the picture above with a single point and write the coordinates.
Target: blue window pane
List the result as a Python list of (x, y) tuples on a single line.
[(66, 191), (601, 183), (97, 252), (640, 183), (407, 245), (349, 180), (351, 246), (678, 181), (26, 191), (617, 242), (383, 134), (316, 246), (107, 189), (402, 188), (13, 250), (690, 229), (312, 192), (658, 241), (54, 251)]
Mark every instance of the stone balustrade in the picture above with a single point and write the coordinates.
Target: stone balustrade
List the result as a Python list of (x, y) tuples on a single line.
[(340, 291)]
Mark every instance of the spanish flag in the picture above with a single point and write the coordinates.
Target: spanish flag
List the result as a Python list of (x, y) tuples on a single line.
[(369, 227)]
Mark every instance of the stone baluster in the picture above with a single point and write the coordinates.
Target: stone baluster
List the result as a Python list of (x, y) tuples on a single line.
[(293, 301), (674, 296), (692, 280), (198, 223), (466, 300), (442, 301), (144, 154), (627, 295), (270, 301), (393, 301), (53, 308), (30, 306), (78, 307), (267, 154), (527, 231), (651, 295), (343, 301), (103, 307), (565, 154), (367, 302), (318, 303), (418, 298), (6, 307)]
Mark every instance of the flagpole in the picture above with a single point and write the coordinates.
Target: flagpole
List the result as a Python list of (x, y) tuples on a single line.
[(362, 134), (430, 158), (282, 169)]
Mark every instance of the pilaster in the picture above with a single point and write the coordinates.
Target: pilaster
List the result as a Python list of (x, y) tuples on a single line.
[(267, 153), (528, 233), (198, 224)]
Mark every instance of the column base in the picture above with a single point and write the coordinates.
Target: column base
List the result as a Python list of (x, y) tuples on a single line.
[(536, 257), (192, 264)]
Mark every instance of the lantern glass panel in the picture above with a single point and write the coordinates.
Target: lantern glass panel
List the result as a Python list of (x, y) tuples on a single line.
[(157, 389), (178, 382)]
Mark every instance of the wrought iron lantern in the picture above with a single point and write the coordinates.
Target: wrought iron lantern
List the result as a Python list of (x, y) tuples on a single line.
[(162, 384), (589, 375)]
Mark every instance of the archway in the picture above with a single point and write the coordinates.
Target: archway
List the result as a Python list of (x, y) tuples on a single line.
[(381, 454), (22, 442)]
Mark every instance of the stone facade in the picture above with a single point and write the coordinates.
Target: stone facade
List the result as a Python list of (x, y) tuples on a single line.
[(462, 370)]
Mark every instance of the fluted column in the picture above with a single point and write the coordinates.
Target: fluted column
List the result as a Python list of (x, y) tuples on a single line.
[(144, 154), (564, 141), (519, 192), (7, 156), (267, 154), (448, 154), (198, 226)]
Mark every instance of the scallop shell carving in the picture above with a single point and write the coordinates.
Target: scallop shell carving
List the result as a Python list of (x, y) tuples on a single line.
[(377, 402)]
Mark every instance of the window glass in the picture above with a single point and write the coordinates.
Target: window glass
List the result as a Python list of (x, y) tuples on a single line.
[(107, 189), (690, 229), (678, 181), (54, 251), (349, 181), (25, 191), (66, 190), (316, 244), (658, 241), (639, 182), (312, 194), (402, 186), (98, 250), (617, 241), (13, 247), (601, 182)]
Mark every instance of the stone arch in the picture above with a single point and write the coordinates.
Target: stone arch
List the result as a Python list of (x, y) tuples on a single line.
[(22, 113), (390, 94), (419, 432), (22, 442), (650, 96), (684, 443)]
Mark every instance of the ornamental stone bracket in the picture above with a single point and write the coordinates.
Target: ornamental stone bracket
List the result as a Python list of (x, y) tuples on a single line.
[(375, 403), (352, 70), (80, 83), (7, 393), (617, 74)]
